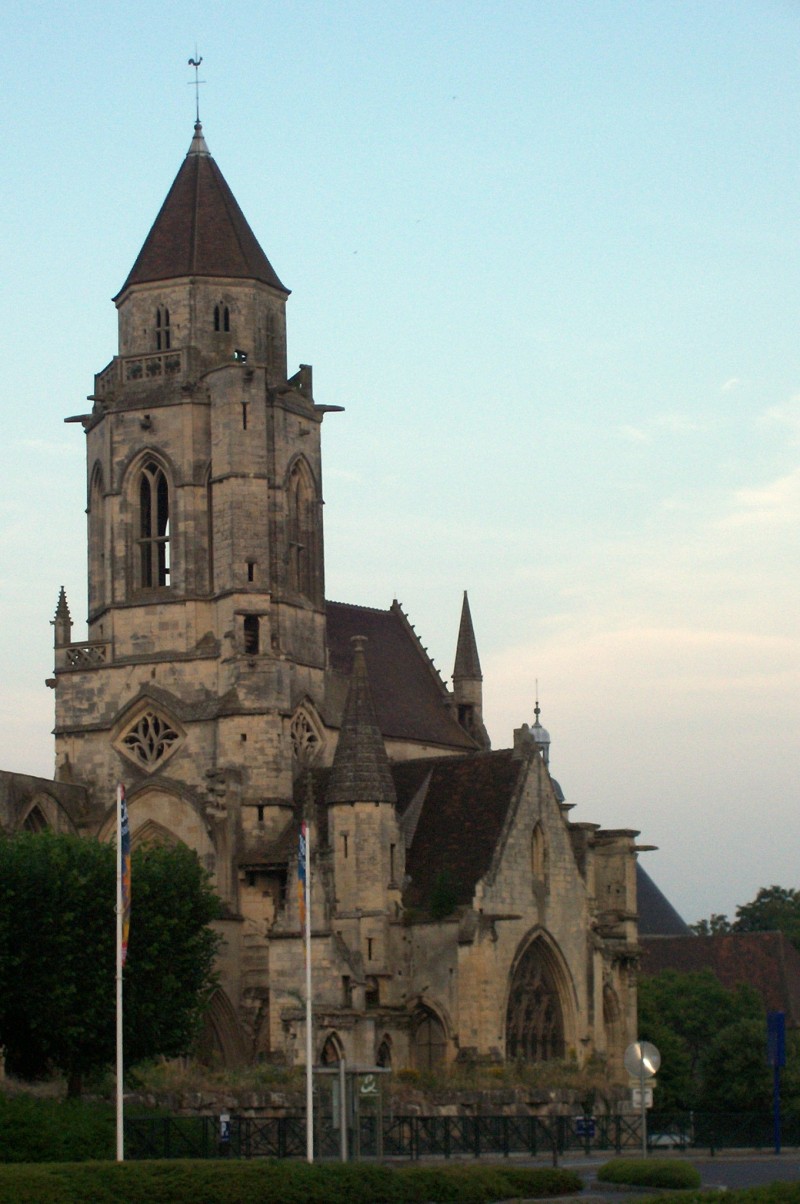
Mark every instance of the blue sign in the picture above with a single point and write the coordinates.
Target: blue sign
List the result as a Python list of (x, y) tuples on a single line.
[(776, 1038)]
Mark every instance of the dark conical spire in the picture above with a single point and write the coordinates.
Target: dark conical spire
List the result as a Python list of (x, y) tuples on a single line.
[(200, 230), (467, 660), (360, 772)]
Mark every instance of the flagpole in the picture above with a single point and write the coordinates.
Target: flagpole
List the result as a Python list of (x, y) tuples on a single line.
[(309, 1042), (120, 1137)]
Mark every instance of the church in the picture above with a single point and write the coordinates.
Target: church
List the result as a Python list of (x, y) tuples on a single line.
[(458, 912)]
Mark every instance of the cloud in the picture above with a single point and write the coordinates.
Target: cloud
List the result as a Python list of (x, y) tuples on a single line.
[(730, 385), (774, 505), (633, 434), (679, 424)]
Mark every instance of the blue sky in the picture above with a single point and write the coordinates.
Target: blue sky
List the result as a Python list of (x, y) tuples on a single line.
[(547, 256)]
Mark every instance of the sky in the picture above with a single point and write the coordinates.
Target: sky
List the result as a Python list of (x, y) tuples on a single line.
[(547, 256)]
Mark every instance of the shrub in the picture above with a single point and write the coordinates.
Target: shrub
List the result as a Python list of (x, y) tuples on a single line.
[(48, 1130), (649, 1172), (272, 1183)]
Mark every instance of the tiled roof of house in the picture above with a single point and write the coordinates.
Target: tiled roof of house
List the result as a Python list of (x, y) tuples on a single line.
[(200, 230), (411, 701), (767, 961)]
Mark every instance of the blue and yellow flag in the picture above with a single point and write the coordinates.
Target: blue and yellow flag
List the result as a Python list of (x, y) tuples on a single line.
[(302, 857), (125, 864)]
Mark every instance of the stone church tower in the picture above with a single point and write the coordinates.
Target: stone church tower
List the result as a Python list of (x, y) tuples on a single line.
[(458, 909)]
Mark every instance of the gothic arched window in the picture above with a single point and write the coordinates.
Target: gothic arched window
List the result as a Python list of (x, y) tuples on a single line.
[(153, 526), (163, 341), (428, 1040), (301, 530), (534, 1019), (96, 540), (222, 317)]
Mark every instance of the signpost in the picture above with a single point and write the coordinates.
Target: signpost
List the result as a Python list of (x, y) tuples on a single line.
[(776, 1056), (642, 1060)]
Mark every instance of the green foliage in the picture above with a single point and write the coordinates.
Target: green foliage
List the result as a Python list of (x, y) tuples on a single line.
[(649, 1172), (682, 1014), (735, 1074), (713, 926), (47, 1130), (57, 953), (275, 1183), (774, 909)]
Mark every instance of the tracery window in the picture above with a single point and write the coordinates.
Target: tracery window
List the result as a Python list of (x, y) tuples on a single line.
[(163, 340), (153, 537), (150, 739), (306, 737), (534, 1019)]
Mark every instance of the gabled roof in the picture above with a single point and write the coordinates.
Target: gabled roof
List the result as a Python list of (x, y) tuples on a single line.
[(462, 816), (411, 701), (767, 961), (200, 230)]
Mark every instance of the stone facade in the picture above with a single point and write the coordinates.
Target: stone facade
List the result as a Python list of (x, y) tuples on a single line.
[(456, 911)]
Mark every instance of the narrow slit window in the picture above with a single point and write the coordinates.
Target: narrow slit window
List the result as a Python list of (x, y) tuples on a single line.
[(251, 634)]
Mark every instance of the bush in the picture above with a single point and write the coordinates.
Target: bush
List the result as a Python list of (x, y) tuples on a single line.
[(273, 1183), (649, 1172), (48, 1130)]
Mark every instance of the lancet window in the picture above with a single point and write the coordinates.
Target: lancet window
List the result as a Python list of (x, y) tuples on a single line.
[(163, 340), (153, 527), (301, 532), (222, 318)]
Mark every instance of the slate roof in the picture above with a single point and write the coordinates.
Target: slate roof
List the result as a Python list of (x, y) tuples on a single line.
[(411, 701), (463, 813), (767, 961), (657, 916), (467, 660), (200, 230), (360, 771)]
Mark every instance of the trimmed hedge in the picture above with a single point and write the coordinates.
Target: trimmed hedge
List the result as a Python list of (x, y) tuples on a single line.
[(649, 1172), (49, 1130), (273, 1182)]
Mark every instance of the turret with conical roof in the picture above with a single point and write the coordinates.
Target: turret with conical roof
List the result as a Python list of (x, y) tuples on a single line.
[(468, 680), (367, 851)]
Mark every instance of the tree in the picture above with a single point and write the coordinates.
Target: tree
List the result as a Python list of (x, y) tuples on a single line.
[(713, 926), (681, 1013), (735, 1074), (774, 909), (57, 954)]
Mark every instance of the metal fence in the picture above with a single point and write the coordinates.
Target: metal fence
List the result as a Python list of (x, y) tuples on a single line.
[(395, 1137)]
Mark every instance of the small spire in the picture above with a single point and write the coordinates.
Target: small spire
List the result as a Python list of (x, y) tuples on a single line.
[(467, 663), (360, 772), (62, 621)]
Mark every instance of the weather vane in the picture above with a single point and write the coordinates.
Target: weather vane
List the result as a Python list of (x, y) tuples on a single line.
[(195, 62)]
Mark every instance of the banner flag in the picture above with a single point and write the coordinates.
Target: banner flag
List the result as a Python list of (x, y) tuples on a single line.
[(125, 857), (302, 858)]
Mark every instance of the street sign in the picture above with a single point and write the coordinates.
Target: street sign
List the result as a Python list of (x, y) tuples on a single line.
[(636, 1097)]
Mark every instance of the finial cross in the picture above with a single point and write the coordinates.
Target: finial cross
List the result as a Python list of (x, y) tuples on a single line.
[(195, 62)]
